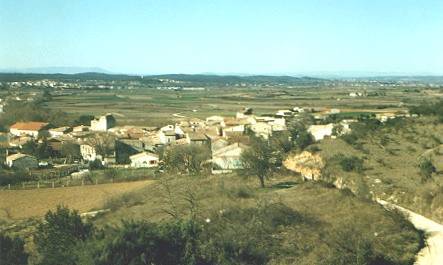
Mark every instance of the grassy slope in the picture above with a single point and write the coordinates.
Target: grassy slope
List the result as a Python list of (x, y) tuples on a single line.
[(329, 209), (391, 158)]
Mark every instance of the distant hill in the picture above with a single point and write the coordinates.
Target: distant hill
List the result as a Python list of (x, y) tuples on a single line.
[(184, 78), (235, 79)]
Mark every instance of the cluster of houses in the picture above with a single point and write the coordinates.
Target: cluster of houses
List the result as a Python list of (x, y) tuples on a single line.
[(137, 146)]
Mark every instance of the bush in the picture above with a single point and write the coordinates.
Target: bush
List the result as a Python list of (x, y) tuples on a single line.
[(12, 251), (243, 192), (426, 169), (96, 164), (138, 243), (352, 163), (56, 237)]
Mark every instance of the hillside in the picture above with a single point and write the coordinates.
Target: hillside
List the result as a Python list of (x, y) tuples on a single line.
[(391, 157), (329, 222)]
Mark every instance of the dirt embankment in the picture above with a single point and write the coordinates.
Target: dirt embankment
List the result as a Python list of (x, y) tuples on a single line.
[(307, 164)]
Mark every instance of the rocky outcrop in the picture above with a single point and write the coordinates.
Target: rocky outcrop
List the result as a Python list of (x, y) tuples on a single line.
[(307, 164)]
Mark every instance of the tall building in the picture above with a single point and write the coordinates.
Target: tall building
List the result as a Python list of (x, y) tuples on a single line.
[(103, 123)]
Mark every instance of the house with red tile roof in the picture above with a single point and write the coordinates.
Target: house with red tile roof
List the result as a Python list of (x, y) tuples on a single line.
[(32, 128)]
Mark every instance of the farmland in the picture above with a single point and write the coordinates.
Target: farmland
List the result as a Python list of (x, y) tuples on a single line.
[(153, 107), (22, 204)]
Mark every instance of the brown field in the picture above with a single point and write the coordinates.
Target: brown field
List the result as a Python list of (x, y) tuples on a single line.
[(22, 204)]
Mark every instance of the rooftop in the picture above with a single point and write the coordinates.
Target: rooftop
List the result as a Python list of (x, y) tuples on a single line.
[(29, 126)]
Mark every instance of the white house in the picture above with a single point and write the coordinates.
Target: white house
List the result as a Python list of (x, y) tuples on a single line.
[(56, 132), (21, 161), (284, 113), (144, 160), (34, 129), (88, 152), (261, 129), (321, 131), (103, 123), (167, 137), (227, 158)]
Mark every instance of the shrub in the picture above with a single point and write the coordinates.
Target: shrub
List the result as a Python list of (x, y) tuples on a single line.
[(57, 236), (352, 163), (147, 243), (426, 169), (12, 251), (243, 192), (96, 164)]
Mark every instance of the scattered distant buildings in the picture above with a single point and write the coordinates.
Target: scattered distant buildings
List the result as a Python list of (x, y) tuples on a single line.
[(355, 94)]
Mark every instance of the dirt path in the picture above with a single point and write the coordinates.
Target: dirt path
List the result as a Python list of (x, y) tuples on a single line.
[(432, 254), (22, 204)]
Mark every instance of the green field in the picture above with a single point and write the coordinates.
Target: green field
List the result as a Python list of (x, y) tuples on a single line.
[(152, 107)]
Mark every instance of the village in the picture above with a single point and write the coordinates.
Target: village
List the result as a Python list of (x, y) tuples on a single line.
[(100, 143)]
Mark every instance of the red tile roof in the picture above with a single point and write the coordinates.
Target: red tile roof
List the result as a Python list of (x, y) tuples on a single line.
[(29, 126)]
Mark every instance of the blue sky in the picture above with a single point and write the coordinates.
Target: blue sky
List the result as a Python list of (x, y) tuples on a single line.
[(231, 36)]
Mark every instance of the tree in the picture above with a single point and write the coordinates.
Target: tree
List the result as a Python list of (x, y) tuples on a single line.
[(84, 120), (104, 144), (260, 159), (43, 150), (71, 151), (304, 139), (188, 158), (299, 135), (29, 147), (57, 236), (12, 251), (282, 141)]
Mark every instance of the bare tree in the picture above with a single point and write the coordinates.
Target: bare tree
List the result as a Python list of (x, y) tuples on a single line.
[(103, 144)]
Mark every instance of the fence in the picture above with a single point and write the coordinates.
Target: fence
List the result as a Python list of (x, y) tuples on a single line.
[(30, 185)]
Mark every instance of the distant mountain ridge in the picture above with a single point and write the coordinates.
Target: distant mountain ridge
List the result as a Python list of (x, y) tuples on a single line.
[(184, 78), (206, 79)]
